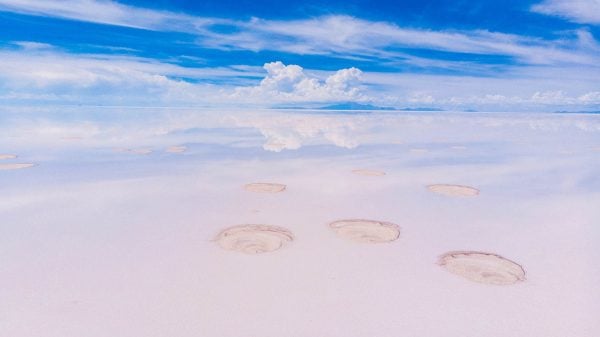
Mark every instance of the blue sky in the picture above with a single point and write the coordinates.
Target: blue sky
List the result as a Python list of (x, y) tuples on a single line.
[(485, 55)]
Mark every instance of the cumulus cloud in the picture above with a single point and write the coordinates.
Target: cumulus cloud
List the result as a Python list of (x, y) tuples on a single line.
[(582, 11), (290, 83)]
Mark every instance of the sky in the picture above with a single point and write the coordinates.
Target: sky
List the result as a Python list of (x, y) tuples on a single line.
[(541, 55)]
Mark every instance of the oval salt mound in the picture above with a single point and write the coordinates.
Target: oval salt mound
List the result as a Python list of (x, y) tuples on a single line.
[(254, 239), (140, 151), (367, 231), (14, 166), (134, 151), (7, 156), (176, 149), (264, 187), (372, 173), (483, 267), (454, 190)]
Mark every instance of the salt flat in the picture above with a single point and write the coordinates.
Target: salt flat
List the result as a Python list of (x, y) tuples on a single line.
[(95, 242)]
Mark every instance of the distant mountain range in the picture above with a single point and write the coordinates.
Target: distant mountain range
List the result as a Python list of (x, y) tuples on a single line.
[(420, 109), (577, 112), (352, 106)]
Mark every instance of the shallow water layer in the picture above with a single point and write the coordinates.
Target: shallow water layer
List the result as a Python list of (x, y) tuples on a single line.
[(98, 242)]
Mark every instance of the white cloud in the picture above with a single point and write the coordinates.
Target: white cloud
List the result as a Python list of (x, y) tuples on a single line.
[(45, 73), (289, 83), (590, 98), (340, 35), (551, 97), (49, 73), (582, 11), (350, 37), (420, 97), (539, 99), (107, 12), (31, 45)]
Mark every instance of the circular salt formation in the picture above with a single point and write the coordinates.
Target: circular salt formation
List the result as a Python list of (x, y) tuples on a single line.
[(176, 149), (134, 151), (368, 231), (140, 151), (7, 156), (254, 239), (14, 166), (372, 173), (264, 187), (483, 267), (453, 190)]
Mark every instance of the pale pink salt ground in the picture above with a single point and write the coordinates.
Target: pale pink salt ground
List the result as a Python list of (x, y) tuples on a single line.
[(367, 172)]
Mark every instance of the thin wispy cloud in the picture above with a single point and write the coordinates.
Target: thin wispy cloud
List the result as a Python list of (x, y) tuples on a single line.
[(106, 12), (335, 34), (582, 11), (344, 35), (50, 73)]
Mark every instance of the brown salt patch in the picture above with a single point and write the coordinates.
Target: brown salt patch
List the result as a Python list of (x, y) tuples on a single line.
[(453, 190), (482, 267), (371, 173), (7, 156), (176, 149), (367, 231), (134, 151), (140, 151), (265, 187), (254, 239), (14, 166)]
